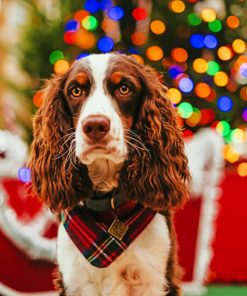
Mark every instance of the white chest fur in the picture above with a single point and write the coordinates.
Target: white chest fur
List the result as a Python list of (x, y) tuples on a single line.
[(139, 271)]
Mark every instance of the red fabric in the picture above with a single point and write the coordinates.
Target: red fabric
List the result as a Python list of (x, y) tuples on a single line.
[(186, 223), (229, 262), (20, 199), (91, 235), (21, 273), (17, 270)]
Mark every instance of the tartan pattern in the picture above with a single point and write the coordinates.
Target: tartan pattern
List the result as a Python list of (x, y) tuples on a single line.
[(92, 238)]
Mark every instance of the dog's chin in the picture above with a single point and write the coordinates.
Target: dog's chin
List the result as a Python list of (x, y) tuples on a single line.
[(93, 154)]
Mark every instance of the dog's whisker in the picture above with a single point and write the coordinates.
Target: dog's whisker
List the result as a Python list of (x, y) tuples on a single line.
[(135, 147), (69, 135), (143, 147)]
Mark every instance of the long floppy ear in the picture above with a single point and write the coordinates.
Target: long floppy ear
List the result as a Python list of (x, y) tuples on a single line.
[(58, 181), (158, 176)]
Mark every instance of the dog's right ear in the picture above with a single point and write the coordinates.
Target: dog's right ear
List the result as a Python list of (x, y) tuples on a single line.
[(54, 177)]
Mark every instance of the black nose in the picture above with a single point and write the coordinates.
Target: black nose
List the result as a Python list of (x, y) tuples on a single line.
[(96, 126)]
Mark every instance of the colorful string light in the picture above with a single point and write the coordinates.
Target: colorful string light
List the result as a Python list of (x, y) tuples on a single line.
[(24, 174), (202, 30), (105, 44), (225, 104)]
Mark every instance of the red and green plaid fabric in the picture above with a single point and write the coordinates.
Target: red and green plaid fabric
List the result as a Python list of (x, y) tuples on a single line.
[(92, 238)]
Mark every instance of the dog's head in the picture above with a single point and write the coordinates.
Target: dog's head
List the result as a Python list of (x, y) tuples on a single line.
[(110, 111)]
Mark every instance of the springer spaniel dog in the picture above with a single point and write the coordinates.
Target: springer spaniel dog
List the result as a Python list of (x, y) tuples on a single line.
[(108, 157)]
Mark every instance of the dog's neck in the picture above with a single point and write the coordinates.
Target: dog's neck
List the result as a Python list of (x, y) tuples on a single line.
[(103, 174)]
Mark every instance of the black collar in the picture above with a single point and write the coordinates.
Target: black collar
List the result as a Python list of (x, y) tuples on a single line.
[(105, 201)]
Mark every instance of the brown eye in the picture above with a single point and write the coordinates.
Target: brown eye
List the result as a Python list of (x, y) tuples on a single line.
[(76, 91), (124, 89)]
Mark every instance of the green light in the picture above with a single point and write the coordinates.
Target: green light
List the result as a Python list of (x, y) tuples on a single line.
[(223, 128), (196, 110), (193, 19), (215, 26), (55, 56), (90, 23), (213, 68), (185, 110)]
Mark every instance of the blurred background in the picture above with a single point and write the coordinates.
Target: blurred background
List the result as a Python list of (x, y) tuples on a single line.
[(200, 48)]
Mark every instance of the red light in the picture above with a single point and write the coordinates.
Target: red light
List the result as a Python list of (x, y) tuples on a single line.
[(70, 37), (139, 14)]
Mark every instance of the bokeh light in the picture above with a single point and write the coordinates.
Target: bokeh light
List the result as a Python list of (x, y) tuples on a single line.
[(116, 13), (230, 154), (38, 98), (138, 38), (200, 65), (61, 67), (105, 44), (242, 169), (225, 53), (157, 27), (174, 95), (90, 23), (195, 118), (72, 25), (174, 71), (243, 93), (138, 58), (154, 53), (55, 56), (223, 128), (139, 14), (70, 37), (80, 15), (85, 39), (215, 26), (225, 103), (180, 55), (92, 6), (243, 70), (197, 40), (238, 135), (185, 85), (208, 15), (82, 55), (232, 22), (202, 90), (185, 109), (239, 46), (207, 116), (244, 114), (213, 68), (221, 78), (193, 19), (177, 6), (24, 174), (210, 41)]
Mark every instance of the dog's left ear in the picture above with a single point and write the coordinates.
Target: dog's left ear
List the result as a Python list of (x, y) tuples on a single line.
[(159, 177)]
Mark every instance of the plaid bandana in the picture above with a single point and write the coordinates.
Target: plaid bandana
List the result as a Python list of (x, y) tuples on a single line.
[(90, 234)]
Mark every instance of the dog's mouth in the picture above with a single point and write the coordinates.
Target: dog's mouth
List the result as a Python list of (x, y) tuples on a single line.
[(95, 152), (97, 149)]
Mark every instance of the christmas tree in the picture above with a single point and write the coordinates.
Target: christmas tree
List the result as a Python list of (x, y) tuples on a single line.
[(199, 46)]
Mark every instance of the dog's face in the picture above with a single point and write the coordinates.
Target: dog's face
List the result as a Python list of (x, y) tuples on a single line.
[(108, 107), (103, 93)]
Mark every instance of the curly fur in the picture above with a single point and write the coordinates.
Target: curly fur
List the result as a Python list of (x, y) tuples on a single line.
[(157, 179)]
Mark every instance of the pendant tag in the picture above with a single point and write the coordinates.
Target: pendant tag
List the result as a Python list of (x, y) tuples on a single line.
[(118, 229)]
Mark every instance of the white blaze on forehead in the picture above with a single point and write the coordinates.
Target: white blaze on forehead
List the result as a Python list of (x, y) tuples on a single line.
[(99, 64), (98, 102)]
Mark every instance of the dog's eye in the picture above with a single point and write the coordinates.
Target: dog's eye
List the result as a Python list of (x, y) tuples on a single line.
[(124, 89), (76, 91)]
